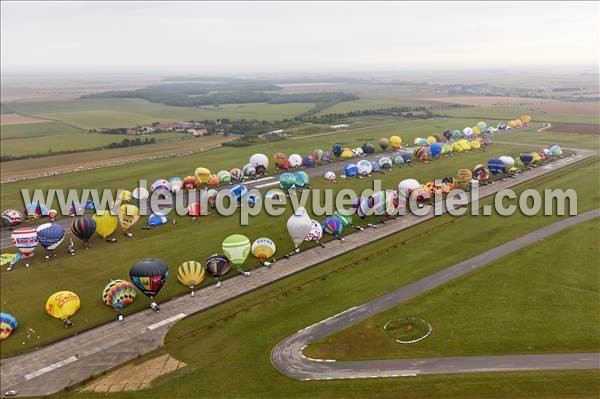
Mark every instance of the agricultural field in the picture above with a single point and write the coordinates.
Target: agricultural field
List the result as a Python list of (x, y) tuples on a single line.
[(239, 335), (40, 128), (358, 105), (575, 140)]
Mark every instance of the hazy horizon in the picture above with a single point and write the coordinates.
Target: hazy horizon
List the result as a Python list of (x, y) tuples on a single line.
[(311, 38)]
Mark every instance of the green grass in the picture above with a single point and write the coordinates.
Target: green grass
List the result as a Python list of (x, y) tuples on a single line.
[(533, 301), (107, 113), (545, 137), (357, 105), (86, 274), (239, 335), (514, 112), (28, 130)]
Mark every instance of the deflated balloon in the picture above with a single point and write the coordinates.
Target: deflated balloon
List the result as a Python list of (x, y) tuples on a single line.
[(63, 304)]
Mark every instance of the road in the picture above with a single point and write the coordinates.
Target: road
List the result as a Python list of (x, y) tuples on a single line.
[(288, 358), (74, 359)]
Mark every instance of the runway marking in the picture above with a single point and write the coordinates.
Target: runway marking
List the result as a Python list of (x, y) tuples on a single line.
[(267, 184), (48, 369), (261, 179), (165, 321)]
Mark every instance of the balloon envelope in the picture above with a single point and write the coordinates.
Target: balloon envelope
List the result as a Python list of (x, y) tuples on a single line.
[(84, 227), (25, 239), (50, 235), (315, 233), (217, 265), (118, 294), (149, 275), (62, 304), (190, 273), (298, 226), (11, 218), (236, 248), (263, 248), (106, 223), (8, 324)]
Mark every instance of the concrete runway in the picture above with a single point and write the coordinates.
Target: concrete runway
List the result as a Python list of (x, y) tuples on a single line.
[(288, 358)]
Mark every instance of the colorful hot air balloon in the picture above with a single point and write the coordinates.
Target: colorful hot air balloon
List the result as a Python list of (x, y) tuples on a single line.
[(525, 119), (190, 182), (190, 273), (464, 176), (421, 153), (106, 223), (62, 305), (526, 158), (298, 226), (364, 167), (35, 210), (224, 177), (236, 248), (420, 141), (345, 219), (8, 324), (213, 181), (50, 235), (160, 185), (84, 227), (395, 142), (25, 239), (468, 132), (308, 161), (350, 170), (149, 275), (384, 143), (176, 183), (406, 187), (481, 173), (140, 193), (248, 170), (278, 159), (555, 150), (347, 153), (301, 179), (195, 209), (287, 181), (128, 216), (217, 265), (202, 174), (239, 192), (315, 233), (509, 162), (260, 163), (263, 248), (318, 155), (236, 174), (385, 163), (295, 160), (375, 167), (481, 125), (496, 166), (330, 176), (11, 218), (398, 160), (118, 294), (211, 197), (333, 226)]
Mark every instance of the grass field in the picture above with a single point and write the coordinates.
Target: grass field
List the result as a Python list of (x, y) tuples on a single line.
[(30, 130), (546, 137), (583, 113), (535, 300), (109, 113), (65, 272), (357, 105), (239, 335)]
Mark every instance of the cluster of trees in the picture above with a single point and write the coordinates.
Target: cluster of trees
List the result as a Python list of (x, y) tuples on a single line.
[(132, 142)]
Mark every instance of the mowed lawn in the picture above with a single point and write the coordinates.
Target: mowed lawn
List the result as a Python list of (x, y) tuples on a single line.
[(118, 112), (89, 270), (239, 335), (535, 300)]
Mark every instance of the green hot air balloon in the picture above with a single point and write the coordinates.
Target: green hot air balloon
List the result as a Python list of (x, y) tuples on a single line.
[(236, 248)]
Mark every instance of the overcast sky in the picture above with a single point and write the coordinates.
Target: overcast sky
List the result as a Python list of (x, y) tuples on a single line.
[(310, 37)]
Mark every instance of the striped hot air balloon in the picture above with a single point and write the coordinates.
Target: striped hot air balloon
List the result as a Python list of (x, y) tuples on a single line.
[(50, 235), (25, 239), (190, 273), (217, 265), (8, 324), (84, 227), (118, 294), (236, 247)]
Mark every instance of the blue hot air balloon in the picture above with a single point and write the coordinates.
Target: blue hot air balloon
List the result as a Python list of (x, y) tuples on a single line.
[(239, 192), (50, 235), (436, 149), (407, 157), (8, 324), (375, 167), (496, 165), (156, 220), (90, 206), (337, 150), (332, 225), (350, 170), (526, 157)]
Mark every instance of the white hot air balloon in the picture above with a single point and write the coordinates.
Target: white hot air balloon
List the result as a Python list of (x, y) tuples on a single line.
[(406, 187), (140, 193), (260, 163), (295, 160), (299, 225)]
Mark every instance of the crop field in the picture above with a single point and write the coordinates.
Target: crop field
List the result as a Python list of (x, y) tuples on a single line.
[(113, 113), (16, 119), (517, 305), (64, 272), (358, 105), (548, 136), (32, 130), (575, 128), (239, 335)]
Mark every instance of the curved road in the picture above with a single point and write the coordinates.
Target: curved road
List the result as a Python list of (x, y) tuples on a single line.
[(288, 358)]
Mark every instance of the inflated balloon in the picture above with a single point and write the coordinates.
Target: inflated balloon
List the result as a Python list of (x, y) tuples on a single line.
[(333, 226), (106, 223), (224, 177), (213, 181), (509, 162), (556, 150), (157, 220), (76, 208), (315, 233), (496, 166), (239, 192), (118, 294), (384, 143), (436, 149), (275, 194), (139, 193), (457, 147), (464, 176), (501, 126), (176, 183), (476, 130), (450, 182), (456, 134), (481, 173), (421, 194), (278, 159), (318, 155), (50, 235), (211, 197), (125, 195), (364, 167), (518, 164), (63, 304), (526, 158), (518, 123), (547, 152), (398, 160), (512, 124), (375, 167), (11, 218), (438, 138), (420, 141), (337, 149), (287, 181), (430, 140), (202, 174), (301, 179), (248, 170), (395, 142), (295, 160), (308, 161), (481, 125), (385, 163), (236, 174), (347, 153), (260, 163), (128, 216), (358, 152), (330, 176), (53, 213), (160, 185), (327, 156), (298, 226), (475, 144), (236, 248), (350, 170), (421, 153), (447, 134), (217, 265), (190, 182), (35, 210), (468, 132), (368, 148), (263, 248), (190, 273), (525, 119), (8, 324), (407, 157), (406, 187), (345, 219), (447, 148), (25, 239), (149, 275), (84, 227), (195, 209)]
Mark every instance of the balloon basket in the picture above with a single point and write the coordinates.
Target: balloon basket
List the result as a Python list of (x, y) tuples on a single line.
[(68, 323), (219, 284)]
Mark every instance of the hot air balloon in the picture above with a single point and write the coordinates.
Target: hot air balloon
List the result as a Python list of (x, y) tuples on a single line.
[(421, 194), (128, 216), (350, 170), (224, 177), (496, 166), (84, 227), (501, 126), (125, 195), (8, 324), (149, 275), (106, 223), (398, 160), (509, 162), (330, 176), (450, 182), (52, 214), (236, 248), (475, 144), (278, 159), (195, 209), (202, 174), (384, 143), (481, 125), (275, 194), (248, 170), (11, 218), (430, 140), (421, 153), (345, 219), (395, 142), (77, 208), (287, 181), (407, 157), (260, 163), (295, 160), (464, 177), (337, 149), (62, 305), (118, 294), (190, 274), (50, 235), (525, 119), (25, 239), (406, 187), (481, 173), (421, 142), (239, 192), (217, 265), (308, 161), (364, 167), (556, 150), (140, 193), (385, 163), (347, 153), (318, 155), (333, 226), (190, 182), (301, 179), (456, 134), (298, 226), (213, 181), (262, 249), (155, 220), (368, 148), (375, 167), (526, 158), (176, 183), (436, 149), (315, 233), (327, 156), (236, 174), (160, 185), (35, 210), (211, 197)]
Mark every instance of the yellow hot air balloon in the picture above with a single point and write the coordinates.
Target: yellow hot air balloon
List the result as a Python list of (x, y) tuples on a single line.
[(106, 224), (263, 248), (525, 119), (457, 147), (128, 216), (202, 174), (395, 142), (431, 140), (464, 176), (475, 144), (62, 305), (346, 153), (125, 196), (512, 124), (190, 273), (518, 123), (476, 130)]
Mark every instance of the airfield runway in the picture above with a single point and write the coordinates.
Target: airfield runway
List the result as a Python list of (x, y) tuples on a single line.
[(74, 359)]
